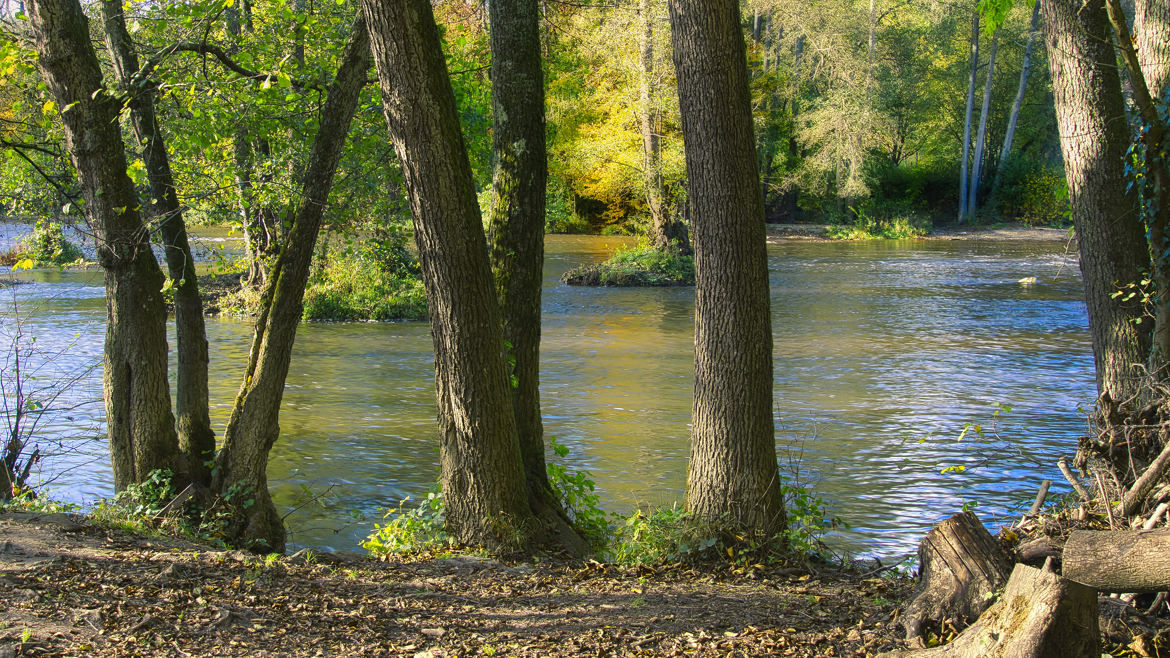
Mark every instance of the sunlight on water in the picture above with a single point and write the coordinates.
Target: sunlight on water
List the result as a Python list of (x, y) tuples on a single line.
[(882, 352)]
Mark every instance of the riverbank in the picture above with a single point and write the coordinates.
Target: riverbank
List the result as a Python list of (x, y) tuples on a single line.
[(71, 587), (1004, 233)]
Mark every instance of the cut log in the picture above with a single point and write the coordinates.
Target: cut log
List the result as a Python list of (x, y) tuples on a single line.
[(960, 567), (1040, 615), (1119, 561), (1035, 552)]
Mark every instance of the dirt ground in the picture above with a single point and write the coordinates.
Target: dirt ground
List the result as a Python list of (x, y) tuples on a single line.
[(70, 588)]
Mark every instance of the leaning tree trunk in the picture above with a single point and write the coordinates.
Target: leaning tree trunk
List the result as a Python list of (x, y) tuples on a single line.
[(139, 423), (981, 138), (516, 232), (732, 480), (1014, 116), (482, 471), (1093, 140), (963, 191), (196, 439), (252, 429)]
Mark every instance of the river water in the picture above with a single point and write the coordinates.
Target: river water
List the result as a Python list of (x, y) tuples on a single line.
[(883, 352)]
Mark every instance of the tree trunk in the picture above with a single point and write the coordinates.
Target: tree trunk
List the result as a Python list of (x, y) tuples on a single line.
[(482, 470), (960, 568), (196, 439), (1040, 615), (1093, 139), (1119, 561), (1151, 31), (1154, 186), (1014, 117), (516, 232), (732, 480), (139, 423), (981, 139), (967, 120), (252, 429), (666, 232)]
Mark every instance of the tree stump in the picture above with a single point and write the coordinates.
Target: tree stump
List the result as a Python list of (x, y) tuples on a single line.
[(1040, 615), (960, 566), (1119, 561)]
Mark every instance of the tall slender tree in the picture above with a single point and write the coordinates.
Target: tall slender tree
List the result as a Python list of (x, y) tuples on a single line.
[(974, 69), (732, 479), (252, 430), (981, 134), (482, 471), (1013, 118), (196, 439), (516, 231), (139, 421)]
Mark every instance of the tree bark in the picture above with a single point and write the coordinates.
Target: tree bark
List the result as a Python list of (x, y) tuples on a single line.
[(252, 429), (139, 423), (960, 568), (1119, 561), (1151, 31), (667, 233), (974, 67), (732, 479), (1093, 139), (196, 439), (516, 232), (1014, 116), (981, 138), (1040, 615), (482, 471)]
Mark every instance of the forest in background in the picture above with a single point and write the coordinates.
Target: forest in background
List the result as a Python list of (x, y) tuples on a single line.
[(860, 112)]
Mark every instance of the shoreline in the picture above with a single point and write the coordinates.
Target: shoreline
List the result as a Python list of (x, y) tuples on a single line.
[(1012, 233)]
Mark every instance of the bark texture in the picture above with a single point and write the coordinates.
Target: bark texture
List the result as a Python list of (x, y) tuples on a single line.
[(196, 439), (960, 568), (1093, 139), (732, 480), (1120, 561), (139, 422), (1151, 31), (1040, 615), (252, 429), (981, 134), (482, 471), (516, 232)]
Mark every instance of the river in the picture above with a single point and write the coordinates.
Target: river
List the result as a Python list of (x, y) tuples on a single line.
[(883, 352)]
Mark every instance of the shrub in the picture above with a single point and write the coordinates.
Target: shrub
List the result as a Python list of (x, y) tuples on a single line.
[(46, 245), (640, 265), (379, 281), (1033, 194)]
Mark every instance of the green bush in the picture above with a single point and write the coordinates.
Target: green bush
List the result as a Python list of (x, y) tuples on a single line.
[(380, 281), (1033, 194), (639, 265), (886, 222), (46, 245), (415, 530)]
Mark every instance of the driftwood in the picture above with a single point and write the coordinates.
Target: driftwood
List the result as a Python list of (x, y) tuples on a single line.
[(1136, 496), (960, 567), (1040, 615), (1119, 561)]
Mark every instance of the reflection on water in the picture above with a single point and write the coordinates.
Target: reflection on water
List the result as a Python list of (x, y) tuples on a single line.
[(883, 351)]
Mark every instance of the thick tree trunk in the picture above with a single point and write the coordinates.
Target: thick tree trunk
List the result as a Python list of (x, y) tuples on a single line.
[(974, 70), (1093, 139), (666, 232), (732, 480), (1119, 561), (960, 568), (196, 439), (1014, 116), (1039, 615), (516, 231), (252, 430), (482, 469), (981, 137), (138, 403)]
